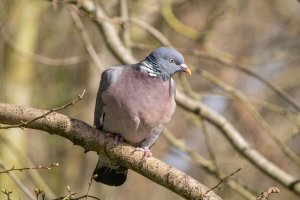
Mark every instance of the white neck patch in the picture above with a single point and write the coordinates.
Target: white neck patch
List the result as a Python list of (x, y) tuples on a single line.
[(147, 67)]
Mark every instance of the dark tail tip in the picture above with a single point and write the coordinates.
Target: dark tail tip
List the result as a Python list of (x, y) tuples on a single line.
[(112, 177)]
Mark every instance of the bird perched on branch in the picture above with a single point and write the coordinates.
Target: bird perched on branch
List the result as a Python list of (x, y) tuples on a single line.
[(133, 103)]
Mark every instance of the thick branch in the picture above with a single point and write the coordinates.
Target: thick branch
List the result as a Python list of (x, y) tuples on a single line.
[(91, 139)]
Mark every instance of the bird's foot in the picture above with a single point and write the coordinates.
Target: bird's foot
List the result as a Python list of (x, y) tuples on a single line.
[(117, 138), (146, 150)]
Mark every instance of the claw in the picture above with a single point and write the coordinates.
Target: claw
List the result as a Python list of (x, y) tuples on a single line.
[(146, 150)]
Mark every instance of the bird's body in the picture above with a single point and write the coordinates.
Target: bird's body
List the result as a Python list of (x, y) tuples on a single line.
[(135, 102), (136, 119)]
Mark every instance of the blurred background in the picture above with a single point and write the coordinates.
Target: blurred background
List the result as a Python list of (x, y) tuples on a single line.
[(44, 64)]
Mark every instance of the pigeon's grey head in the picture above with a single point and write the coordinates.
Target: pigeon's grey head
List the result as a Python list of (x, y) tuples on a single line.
[(166, 61)]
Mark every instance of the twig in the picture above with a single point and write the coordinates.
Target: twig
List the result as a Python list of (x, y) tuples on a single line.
[(256, 115), (280, 92), (207, 165), (36, 177), (85, 38), (7, 193), (264, 195), (24, 124), (18, 183), (39, 192), (152, 30), (80, 197), (71, 194), (223, 180), (125, 28), (90, 184), (177, 25), (29, 168), (238, 141), (111, 36), (209, 144)]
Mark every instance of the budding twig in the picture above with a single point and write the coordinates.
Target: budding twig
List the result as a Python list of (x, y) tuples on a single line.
[(23, 124), (223, 180), (29, 168), (271, 190)]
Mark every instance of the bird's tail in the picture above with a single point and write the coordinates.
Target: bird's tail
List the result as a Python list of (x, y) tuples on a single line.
[(105, 172)]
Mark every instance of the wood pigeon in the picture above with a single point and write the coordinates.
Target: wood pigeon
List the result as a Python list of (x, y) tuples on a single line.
[(134, 102)]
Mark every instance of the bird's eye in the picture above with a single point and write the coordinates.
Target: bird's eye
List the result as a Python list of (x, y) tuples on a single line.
[(171, 60)]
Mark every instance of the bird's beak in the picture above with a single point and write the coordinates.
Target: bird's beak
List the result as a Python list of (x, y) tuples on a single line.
[(185, 69)]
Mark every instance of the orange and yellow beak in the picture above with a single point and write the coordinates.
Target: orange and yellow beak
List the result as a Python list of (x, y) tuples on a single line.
[(185, 69)]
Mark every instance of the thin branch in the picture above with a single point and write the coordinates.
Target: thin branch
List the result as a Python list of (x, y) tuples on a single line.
[(176, 24), (108, 30), (256, 115), (85, 38), (207, 165), (280, 92), (210, 147), (78, 198), (264, 195), (29, 168), (92, 139), (125, 27), (238, 142), (39, 192), (70, 194), (152, 30), (35, 176), (39, 58), (18, 183), (90, 184), (225, 179), (7, 193), (24, 124)]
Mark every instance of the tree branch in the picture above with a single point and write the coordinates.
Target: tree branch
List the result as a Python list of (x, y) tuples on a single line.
[(55, 62), (92, 139), (238, 142)]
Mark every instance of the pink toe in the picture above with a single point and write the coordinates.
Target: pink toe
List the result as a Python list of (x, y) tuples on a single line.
[(146, 150)]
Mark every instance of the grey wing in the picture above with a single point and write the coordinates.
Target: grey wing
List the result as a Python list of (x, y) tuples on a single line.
[(108, 77)]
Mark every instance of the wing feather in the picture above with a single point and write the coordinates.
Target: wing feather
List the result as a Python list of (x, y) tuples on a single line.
[(108, 78)]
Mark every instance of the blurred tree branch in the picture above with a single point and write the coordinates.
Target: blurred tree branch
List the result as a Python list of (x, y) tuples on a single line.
[(208, 165), (175, 23), (91, 139), (280, 92), (18, 182), (242, 98), (85, 38), (55, 62), (238, 142)]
